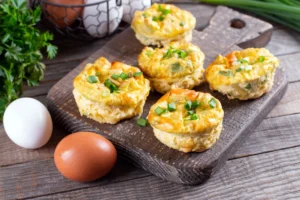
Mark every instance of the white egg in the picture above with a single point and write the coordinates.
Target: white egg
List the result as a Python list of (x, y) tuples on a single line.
[(130, 6), (95, 17), (28, 123)]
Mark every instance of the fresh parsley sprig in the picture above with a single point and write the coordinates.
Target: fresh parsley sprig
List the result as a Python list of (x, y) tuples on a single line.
[(20, 45)]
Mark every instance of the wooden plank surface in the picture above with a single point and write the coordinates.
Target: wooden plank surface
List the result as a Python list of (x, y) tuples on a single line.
[(273, 135), (268, 176), (146, 151)]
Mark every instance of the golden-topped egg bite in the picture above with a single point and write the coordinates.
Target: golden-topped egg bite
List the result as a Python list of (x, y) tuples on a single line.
[(109, 92), (162, 23), (179, 65), (187, 120), (245, 74)]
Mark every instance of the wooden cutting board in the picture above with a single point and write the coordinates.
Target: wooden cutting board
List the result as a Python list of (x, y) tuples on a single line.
[(226, 31)]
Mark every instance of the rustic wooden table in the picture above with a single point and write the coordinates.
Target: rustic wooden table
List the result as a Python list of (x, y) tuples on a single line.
[(266, 166)]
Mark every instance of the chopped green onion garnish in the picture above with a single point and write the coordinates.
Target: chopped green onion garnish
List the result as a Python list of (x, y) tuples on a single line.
[(181, 24), (155, 19), (182, 54), (92, 79), (160, 8), (248, 86), (261, 59), (137, 74), (159, 110), (142, 122), (171, 107), (176, 67), (149, 53), (97, 74), (228, 73), (212, 103), (124, 76), (195, 104), (190, 112), (109, 84), (194, 117), (188, 105), (115, 76), (168, 54), (166, 11), (163, 10), (243, 61), (238, 70)]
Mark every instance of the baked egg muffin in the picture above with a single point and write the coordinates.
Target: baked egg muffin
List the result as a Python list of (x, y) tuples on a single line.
[(162, 23), (187, 120), (109, 92), (245, 74), (178, 65)]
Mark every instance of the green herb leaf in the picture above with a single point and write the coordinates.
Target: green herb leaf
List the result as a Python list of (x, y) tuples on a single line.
[(261, 59), (20, 49), (182, 54), (181, 24), (92, 79), (124, 76), (149, 53), (248, 86), (159, 110), (166, 11), (137, 74), (194, 117), (155, 19), (243, 61), (142, 122), (227, 73), (109, 84), (172, 107), (190, 112), (212, 103), (51, 50), (238, 70), (195, 104), (145, 15), (97, 73), (176, 67), (188, 105), (115, 76)]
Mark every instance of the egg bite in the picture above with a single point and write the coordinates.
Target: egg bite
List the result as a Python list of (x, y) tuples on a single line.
[(109, 92), (162, 23), (178, 65), (245, 74), (187, 120)]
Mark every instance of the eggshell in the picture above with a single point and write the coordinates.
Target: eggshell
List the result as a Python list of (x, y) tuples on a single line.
[(95, 18), (63, 16), (28, 123), (130, 6), (84, 156)]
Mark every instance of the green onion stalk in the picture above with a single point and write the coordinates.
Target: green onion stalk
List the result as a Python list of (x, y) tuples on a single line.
[(285, 12)]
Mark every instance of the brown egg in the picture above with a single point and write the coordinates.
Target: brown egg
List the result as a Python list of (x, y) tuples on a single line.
[(84, 156), (63, 16)]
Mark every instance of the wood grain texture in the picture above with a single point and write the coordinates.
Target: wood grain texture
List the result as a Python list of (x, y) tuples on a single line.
[(268, 176), (145, 151), (289, 103), (270, 136)]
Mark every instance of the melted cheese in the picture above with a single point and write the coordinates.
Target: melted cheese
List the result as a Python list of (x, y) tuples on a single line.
[(245, 74), (166, 72), (96, 101), (174, 24)]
